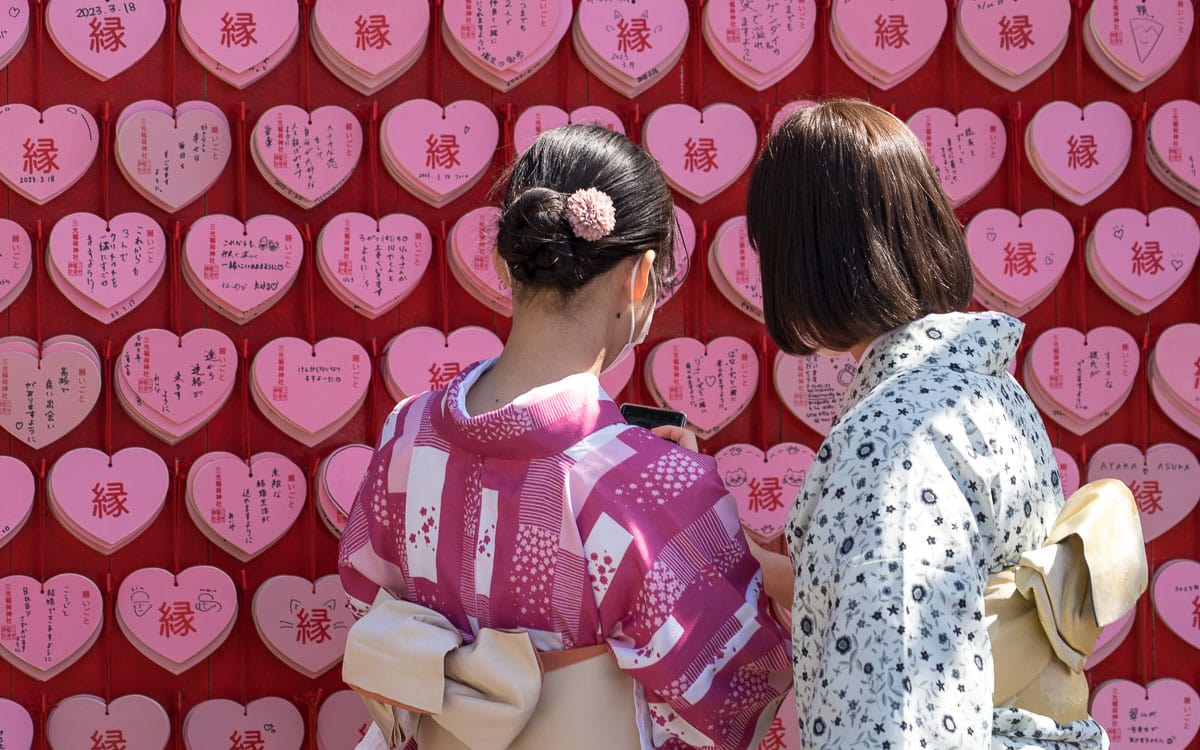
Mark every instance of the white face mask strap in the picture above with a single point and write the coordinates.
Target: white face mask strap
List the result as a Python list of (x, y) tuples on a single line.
[(633, 303)]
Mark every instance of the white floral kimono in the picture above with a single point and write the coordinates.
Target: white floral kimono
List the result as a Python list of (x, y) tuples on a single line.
[(937, 472)]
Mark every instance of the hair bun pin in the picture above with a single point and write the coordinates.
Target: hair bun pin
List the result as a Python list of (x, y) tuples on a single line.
[(591, 214)]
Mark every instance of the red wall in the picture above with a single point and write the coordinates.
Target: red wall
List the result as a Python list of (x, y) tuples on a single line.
[(243, 666)]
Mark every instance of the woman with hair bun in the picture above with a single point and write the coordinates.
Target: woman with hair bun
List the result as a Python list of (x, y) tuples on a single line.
[(538, 572)]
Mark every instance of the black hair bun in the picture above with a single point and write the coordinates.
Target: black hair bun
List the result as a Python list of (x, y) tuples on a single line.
[(535, 238)]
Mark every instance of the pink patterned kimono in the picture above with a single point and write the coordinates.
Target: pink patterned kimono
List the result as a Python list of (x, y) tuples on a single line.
[(553, 515)]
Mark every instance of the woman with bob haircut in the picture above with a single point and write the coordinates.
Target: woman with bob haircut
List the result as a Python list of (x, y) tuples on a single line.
[(944, 597), (541, 574)]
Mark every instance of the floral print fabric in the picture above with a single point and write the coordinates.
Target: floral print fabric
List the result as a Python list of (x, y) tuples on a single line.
[(937, 472)]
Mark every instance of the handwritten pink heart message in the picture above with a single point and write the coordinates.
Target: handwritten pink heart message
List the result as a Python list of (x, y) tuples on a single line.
[(1162, 713), (57, 623), (245, 509)]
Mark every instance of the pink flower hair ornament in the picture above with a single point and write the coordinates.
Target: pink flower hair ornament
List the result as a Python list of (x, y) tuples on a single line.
[(591, 214)]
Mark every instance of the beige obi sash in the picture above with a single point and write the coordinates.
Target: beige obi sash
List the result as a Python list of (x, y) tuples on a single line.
[(1045, 613), (417, 679)]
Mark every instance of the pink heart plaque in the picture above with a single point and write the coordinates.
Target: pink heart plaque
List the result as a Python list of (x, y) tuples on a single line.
[(16, 261), (149, 152), (439, 152), (1165, 481), (734, 267), (108, 38), (1081, 381), (1079, 153), (342, 722), (107, 267), (684, 249), (314, 389), (304, 622), (245, 509), (759, 41), (423, 358), (268, 723), (307, 156), (339, 477), (784, 732), (1176, 364), (812, 387), (236, 34), (242, 269), (109, 499), (371, 264), (1019, 37), (542, 117), (1180, 155), (1020, 258), (16, 726), (701, 153), (503, 41), (53, 625), (967, 149), (14, 29), (1161, 713), (617, 376), (1151, 34), (240, 29), (630, 40), (890, 36), (765, 484), (1068, 472), (373, 36), (1176, 594), (175, 384), (786, 111), (19, 490), (42, 399), (131, 721), (1110, 639), (177, 621), (1140, 259), (472, 243), (45, 153), (711, 384)]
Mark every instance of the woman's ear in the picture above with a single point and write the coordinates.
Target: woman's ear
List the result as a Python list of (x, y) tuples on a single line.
[(501, 268), (641, 275)]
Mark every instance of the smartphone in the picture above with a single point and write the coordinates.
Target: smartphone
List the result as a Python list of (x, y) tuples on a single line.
[(650, 417)]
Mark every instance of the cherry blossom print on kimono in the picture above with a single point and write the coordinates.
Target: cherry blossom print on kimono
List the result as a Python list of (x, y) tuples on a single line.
[(553, 515)]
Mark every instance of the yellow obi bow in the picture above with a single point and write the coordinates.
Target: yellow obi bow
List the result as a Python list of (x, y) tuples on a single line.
[(1045, 613), (409, 662)]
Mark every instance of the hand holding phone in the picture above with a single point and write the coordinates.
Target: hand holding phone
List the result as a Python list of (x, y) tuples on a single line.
[(651, 417), (667, 424), (681, 436)]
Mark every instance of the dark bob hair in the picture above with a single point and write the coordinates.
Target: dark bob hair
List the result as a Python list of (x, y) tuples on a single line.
[(854, 232), (535, 239)]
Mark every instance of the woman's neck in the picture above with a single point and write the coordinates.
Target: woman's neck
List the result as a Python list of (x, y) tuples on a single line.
[(542, 348)]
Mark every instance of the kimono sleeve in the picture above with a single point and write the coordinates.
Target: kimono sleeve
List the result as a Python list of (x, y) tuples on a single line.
[(363, 571), (687, 619), (892, 643)]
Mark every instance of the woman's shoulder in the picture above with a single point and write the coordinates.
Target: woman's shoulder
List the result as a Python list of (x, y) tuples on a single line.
[(640, 475), (407, 416)]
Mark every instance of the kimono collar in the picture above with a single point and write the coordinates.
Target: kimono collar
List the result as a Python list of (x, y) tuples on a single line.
[(978, 342), (542, 422)]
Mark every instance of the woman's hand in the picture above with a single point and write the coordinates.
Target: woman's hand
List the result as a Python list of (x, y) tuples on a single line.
[(778, 578), (684, 437)]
